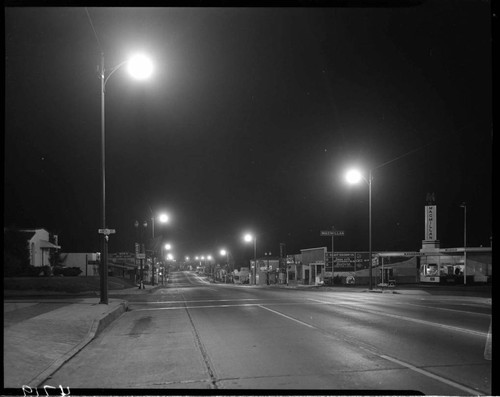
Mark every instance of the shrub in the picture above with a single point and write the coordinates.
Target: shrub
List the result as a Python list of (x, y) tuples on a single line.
[(46, 271), (30, 271), (67, 271)]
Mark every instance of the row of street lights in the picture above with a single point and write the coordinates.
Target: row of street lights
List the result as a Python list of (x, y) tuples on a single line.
[(140, 67)]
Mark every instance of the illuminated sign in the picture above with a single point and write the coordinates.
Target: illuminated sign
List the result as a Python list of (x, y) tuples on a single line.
[(430, 223)]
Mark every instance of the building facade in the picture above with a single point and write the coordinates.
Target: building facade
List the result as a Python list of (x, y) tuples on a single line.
[(40, 246)]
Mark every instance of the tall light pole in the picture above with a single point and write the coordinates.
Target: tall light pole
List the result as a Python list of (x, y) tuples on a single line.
[(225, 253), (354, 176), (465, 241), (249, 237), (163, 219), (140, 67)]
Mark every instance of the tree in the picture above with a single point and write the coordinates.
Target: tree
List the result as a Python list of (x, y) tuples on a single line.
[(15, 253)]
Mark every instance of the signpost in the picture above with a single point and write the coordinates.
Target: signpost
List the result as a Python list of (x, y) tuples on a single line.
[(331, 233)]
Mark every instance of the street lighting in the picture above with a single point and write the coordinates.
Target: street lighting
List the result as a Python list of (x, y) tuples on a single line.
[(141, 69), (248, 238), (352, 177), (225, 253), (464, 206), (163, 218)]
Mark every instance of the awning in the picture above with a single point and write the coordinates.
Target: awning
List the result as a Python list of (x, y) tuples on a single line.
[(47, 244)]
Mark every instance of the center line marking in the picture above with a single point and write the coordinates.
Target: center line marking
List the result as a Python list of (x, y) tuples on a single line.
[(469, 391), (288, 317)]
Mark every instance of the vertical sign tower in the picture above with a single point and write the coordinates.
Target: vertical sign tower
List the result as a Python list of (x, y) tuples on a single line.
[(430, 242)]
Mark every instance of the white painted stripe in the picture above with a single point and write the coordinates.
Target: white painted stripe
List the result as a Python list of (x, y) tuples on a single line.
[(196, 307), (288, 317), (201, 300), (469, 391), (487, 347), (415, 320), (446, 309)]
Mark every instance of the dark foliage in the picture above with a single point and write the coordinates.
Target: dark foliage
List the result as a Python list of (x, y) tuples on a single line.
[(66, 271), (15, 254)]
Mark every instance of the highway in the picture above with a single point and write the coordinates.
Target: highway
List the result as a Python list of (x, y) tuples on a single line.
[(192, 334)]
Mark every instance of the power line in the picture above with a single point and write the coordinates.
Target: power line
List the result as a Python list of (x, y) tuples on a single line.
[(95, 33)]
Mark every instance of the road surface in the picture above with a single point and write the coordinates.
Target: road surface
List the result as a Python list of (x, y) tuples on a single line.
[(197, 335)]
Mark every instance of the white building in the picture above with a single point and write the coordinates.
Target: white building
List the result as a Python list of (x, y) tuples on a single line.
[(39, 246)]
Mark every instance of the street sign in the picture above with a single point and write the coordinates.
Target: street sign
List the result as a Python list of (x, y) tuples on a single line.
[(107, 232), (331, 233), (140, 256)]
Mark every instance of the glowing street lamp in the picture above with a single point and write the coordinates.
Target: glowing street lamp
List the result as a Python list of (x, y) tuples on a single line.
[(248, 238), (354, 176), (141, 69), (225, 253), (163, 218)]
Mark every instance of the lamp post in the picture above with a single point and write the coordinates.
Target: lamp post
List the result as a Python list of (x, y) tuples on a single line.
[(163, 219), (140, 238), (464, 206), (354, 176), (140, 68), (268, 255), (249, 237), (225, 253)]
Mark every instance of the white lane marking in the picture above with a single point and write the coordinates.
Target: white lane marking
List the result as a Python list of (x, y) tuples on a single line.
[(288, 317), (446, 309), (196, 307), (469, 391), (415, 320), (487, 347), (201, 300)]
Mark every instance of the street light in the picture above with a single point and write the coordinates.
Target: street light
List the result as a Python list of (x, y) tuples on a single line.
[(352, 177), (249, 237), (141, 69), (465, 241), (225, 253), (163, 218)]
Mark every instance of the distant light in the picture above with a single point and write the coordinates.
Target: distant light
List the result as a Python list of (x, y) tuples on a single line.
[(353, 176), (140, 67), (209, 257), (163, 218), (248, 237), (223, 252), (170, 257), (168, 246), (187, 258)]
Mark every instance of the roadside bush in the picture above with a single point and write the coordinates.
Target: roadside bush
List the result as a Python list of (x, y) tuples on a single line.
[(67, 271), (30, 271), (46, 271)]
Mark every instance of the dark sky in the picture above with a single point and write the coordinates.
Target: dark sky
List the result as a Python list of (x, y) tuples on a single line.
[(249, 122)]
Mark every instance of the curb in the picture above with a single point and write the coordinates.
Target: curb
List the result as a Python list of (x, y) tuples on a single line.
[(96, 327)]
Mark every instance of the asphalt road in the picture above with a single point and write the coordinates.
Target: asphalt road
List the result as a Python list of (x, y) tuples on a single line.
[(197, 335)]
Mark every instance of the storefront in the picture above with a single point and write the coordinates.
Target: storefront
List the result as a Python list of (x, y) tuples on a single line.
[(451, 266)]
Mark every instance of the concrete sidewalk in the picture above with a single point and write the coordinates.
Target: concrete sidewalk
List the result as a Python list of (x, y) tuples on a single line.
[(40, 336)]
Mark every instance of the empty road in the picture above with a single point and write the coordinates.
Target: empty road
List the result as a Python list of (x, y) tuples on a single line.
[(196, 335)]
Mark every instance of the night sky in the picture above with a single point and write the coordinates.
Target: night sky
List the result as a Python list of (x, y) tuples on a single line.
[(249, 122)]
